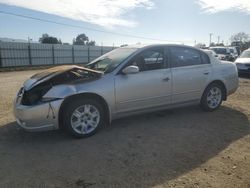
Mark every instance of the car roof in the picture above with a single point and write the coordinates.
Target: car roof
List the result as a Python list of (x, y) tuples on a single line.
[(144, 46), (219, 47)]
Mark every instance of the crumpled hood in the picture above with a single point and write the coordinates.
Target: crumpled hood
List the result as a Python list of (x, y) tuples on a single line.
[(52, 72)]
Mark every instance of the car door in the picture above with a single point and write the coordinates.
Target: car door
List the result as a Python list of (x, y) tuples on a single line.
[(150, 87), (191, 70)]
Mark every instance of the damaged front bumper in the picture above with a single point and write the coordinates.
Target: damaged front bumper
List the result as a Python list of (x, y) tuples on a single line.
[(40, 117)]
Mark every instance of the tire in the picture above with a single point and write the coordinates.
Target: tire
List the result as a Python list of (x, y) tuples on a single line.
[(82, 117), (212, 97)]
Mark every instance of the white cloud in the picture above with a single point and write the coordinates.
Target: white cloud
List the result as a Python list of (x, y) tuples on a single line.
[(213, 6), (107, 13)]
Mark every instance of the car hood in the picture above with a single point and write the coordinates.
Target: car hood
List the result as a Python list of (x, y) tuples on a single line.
[(243, 60), (53, 72), (226, 62)]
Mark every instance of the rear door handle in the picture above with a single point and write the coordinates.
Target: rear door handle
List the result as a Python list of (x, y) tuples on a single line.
[(206, 73)]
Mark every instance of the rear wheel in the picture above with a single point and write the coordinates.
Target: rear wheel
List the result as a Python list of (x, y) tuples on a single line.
[(83, 117), (212, 97)]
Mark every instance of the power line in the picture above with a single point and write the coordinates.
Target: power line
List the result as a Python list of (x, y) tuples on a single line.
[(87, 28)]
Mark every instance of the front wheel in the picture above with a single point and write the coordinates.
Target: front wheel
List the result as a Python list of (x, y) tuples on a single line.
[(212, 97), (83, 117)]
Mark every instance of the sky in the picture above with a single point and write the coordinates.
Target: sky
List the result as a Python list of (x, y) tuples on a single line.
[(167, 21)]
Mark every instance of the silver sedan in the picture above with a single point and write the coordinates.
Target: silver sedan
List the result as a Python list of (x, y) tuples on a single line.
[(125, 81), (243, 62)]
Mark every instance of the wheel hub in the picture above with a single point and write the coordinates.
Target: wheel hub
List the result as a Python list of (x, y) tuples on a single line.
[(85, 119), (214, 97)]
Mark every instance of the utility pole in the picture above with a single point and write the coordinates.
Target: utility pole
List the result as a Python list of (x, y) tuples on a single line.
[(210, 38), (29, 52), (29, 39), (218, 40)]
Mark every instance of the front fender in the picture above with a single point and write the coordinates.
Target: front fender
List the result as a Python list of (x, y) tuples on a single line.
[(60, 91)]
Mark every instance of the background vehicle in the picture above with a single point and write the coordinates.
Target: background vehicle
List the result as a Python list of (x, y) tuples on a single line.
[(211, 52), (125, 81), (243, 62), (234, 52), (223, 53)]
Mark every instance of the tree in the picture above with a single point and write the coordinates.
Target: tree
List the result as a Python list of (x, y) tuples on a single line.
[(50, 40), (217, 44), (91, 43), (212, 44), (220, 44), (46, 39), (200, 45), (81, 39), (240, 37), (45, 35)]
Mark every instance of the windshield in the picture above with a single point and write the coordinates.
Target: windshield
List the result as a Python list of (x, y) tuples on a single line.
[(220, 50), (109, 61), (245, 54)]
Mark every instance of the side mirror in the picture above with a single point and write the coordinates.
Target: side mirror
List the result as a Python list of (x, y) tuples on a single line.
[(130, 70)]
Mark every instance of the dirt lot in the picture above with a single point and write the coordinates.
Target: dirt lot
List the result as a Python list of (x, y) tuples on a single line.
[(178, 148)]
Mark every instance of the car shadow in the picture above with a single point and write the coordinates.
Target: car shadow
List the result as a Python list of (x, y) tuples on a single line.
[(138, 151), (244, 75)]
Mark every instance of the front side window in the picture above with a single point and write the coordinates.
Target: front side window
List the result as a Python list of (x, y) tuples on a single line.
[(181, 56), (149, 60)]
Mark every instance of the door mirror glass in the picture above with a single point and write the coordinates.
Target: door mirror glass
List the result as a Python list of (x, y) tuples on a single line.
[(131, 69)]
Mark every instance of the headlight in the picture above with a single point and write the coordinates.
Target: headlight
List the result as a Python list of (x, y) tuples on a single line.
[(34, 95)]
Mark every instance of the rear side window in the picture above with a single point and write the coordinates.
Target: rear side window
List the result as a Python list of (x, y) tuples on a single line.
[(181, 56), (205, 59)]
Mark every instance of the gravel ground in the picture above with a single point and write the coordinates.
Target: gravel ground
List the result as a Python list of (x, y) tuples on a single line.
[(184, 147)]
